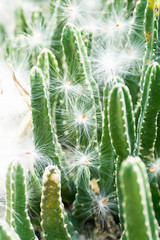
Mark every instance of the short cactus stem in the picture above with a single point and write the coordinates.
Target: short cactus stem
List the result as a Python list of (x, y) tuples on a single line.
[(52, 209)]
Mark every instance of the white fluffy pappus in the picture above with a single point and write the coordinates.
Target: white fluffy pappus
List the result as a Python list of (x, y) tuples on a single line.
[(114, 27), (76, 118), (154, 170), (67, 89), (80, 13), (103, 206), (36, 40), (110, 61), (78, 158)]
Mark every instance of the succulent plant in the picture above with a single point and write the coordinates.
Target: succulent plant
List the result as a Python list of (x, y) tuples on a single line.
[(85, 160)]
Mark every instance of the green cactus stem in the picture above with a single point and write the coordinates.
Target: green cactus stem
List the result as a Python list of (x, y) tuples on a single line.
[(148, 117), (49, 66), (121, 121), (149, 34), (2, 34), (52, 210), (75, 53), (122, 130), (55, 29), (137, 38), (35, 191), (83, 202), (21, 23), (107, 155), (158, 36), (43, 140), (138, 210), (37, 19), (87, 37), (20, 219)]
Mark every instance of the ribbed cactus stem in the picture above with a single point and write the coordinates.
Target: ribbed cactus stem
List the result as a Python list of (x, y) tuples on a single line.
[(52, 209), (149, 34), (107, 154), (139, 216), (137, 38), (122, 130), (45, 141), (121, 121), (21, 24), (49, 66), (20, 219), (41, 119), (87, 37), (158, 37), (148, 118), (78, 62), (83, 202)]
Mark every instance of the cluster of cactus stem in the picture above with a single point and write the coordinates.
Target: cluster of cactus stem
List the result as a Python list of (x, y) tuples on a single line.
[(99, 145)]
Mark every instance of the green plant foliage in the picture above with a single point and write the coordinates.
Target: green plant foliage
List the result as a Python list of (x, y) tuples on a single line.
[(88, 114)]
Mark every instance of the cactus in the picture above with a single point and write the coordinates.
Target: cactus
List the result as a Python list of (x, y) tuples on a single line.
[(52, 213), (83, 198), (92, 111), (137, 198), (17, 205), (106, 151)]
